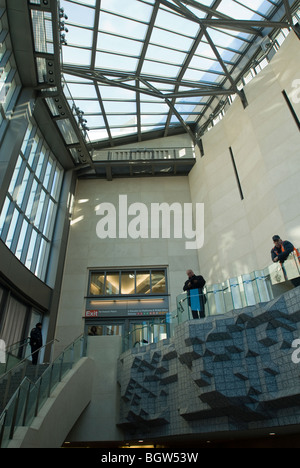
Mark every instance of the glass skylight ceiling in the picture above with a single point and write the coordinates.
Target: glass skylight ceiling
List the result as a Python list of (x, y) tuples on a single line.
[(134, 66)]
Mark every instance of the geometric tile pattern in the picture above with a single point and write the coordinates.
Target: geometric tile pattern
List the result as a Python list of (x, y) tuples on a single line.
[(232, 372)]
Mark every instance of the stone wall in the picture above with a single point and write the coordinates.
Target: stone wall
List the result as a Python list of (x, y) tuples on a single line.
[(226, 373)]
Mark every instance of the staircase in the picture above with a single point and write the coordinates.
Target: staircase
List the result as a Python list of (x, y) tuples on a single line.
[(10, 383), (25, 389)]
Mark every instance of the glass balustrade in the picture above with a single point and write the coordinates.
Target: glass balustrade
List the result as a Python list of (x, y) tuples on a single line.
[(30, 397), (241, 291), (234, 294)]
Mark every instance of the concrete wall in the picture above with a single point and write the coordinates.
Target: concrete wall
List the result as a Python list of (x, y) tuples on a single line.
[(265, 142), (98, 421)]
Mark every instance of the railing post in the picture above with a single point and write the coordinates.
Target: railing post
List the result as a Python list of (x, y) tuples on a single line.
[(72, 355), (6, 393), (50, 381), (26, 405), (38, 398), (14, 418), (60, 368)]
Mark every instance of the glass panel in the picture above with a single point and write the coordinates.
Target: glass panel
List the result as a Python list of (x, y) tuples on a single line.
[(33, 154), (127, 282), (42, 258), (140, 334), (33, 193), (31, 249), (93, 330), (40, 208), (183, 309), (113, 330), (21, 239), (159, 332), (31, 404), (112, 283), (227, 296), (31, 205), (263, 285), (15, 176), (250, 289), (143, 282), (97, 284), (12, 228), (158, 282), (22, 188), (3, 217), (105, 330), (236, 294)]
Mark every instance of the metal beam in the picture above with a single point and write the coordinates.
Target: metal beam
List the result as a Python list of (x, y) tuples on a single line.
[(122, 77), (101, 104), (140, 66), (175, 112), (97, 76), (241, 25), (192, 51), (237, 25), (289, 16)]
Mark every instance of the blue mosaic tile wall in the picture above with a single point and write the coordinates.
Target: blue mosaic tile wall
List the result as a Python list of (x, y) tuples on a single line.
[(233, 372)]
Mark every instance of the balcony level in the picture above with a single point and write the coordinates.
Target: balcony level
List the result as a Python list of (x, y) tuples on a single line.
[(141, 162)]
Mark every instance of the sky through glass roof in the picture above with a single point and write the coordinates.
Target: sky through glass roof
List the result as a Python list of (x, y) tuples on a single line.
[(135, 66)]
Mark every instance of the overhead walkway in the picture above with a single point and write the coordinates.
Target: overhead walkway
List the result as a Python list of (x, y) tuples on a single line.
[(141, 162), (33, 398)]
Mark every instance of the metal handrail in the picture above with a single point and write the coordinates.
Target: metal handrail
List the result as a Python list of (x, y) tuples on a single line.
[(25, 409), (25, 342), (9, 351), (154, 152)]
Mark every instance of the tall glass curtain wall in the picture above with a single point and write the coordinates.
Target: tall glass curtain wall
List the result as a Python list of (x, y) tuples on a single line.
[(28, 215), (9, 81), (29, 211)]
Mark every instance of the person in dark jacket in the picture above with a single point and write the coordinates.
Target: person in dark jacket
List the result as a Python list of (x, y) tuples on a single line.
[(36, 342), (195, 284), (280, 253)]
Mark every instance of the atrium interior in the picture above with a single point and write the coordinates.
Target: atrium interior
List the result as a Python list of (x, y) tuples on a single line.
[(141, 139)]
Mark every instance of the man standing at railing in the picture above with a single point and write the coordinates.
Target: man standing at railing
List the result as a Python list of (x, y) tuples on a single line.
[(281, 251), (194, 287), (36, 342)]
